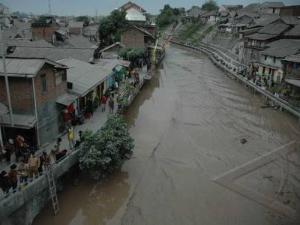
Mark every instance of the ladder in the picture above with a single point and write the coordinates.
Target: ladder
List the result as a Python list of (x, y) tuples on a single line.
[(52, 189)]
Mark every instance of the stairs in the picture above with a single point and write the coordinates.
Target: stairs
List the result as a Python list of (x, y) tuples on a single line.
[(52, 189)]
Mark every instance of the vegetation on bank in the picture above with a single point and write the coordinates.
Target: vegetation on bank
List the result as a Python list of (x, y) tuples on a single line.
[(111, 27), (210, 6), (194, 32), (132, 54), (168, 16), (107, 149)]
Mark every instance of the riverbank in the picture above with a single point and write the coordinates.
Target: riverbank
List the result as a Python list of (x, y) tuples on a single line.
[(232, 67), (22, 207)]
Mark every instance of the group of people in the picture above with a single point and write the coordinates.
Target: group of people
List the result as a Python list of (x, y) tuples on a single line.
[(15, 149), (111, 103), (29, 168), (26, 170)]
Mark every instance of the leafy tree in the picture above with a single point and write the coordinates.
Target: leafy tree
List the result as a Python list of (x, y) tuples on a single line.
[(111, 27), (107, 149), (84, 19), (132, 54), (167, 16), (210, 5)]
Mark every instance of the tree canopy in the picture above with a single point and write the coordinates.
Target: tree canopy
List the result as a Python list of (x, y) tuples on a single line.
[(111, 27), (210, 5), (168, 15), (107, 149), (84, 19)]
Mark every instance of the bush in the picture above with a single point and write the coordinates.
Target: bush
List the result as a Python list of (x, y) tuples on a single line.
[(107, 149)]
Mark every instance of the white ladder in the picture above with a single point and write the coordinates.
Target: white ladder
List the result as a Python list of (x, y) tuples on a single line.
[(52, 189)]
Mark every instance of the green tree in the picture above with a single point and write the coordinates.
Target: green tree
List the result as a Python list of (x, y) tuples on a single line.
[(167, 16), (111, 27), (210, 5), (84, 19), (107, 149)]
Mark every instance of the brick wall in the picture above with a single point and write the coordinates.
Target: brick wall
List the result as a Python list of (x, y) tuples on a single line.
[(48, 113), (21, 94), (43, 33), (132, 38)]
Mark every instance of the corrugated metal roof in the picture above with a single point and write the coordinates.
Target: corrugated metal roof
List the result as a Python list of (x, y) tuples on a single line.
[(25, 67), (84, 76), (21, 121), (282, 48), (66, 99), (55, 54), (293, 82)]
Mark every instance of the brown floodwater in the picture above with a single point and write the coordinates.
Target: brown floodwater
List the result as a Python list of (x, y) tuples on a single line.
[(188, 122)]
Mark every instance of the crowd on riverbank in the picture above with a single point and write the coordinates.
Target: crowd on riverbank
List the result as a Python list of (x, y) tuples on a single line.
[(22, 164)]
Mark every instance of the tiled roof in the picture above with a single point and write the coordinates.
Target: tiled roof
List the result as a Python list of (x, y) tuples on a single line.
[(294, 31), (282, 48), (261, 37), (274, 28)]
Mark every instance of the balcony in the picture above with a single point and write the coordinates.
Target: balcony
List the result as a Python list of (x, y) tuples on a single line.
[(254, 46)]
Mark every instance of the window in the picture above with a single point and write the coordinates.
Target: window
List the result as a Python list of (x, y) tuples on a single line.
[(69, 85), (274, 59), (266, 57), (44, 83)]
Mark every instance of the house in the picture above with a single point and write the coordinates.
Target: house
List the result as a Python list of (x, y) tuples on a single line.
[(89, 82), (271, 7), (137, 37), (111, 52), (232, 10), (75, 27), (291, 69), (256, 42), (5, 19), (134, 13), (294, 33), (270, 64), (194, 13), (44, 28), (34, 86), (292, 10), (50, 52), (91, 32), (210, 17)]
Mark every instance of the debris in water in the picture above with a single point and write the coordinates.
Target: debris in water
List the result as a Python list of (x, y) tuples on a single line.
[(243, 141)]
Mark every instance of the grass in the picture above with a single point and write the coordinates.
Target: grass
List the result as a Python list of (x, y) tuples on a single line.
[(194, 32), (189, 30)]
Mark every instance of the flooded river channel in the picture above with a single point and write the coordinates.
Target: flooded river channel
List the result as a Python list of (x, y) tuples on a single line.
[(188, 123)]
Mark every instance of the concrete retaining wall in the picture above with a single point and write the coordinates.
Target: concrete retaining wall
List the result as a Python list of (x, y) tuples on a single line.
[(23, 206), (232, 66)]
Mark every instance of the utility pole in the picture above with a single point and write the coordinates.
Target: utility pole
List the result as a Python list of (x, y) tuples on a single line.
[(6, 78), (49, 7)]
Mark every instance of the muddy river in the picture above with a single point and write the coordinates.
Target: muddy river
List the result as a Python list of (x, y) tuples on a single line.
[(191, 124)]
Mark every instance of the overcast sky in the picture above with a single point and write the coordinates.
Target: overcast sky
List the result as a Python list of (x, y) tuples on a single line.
[(103, 7)]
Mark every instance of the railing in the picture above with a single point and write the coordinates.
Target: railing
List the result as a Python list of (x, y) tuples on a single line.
[(234, 70)]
